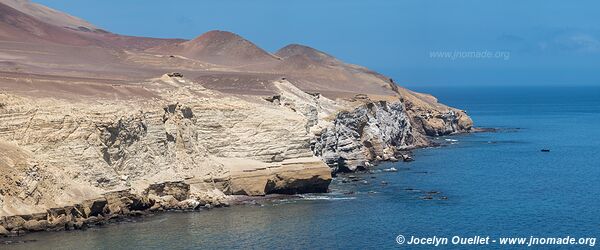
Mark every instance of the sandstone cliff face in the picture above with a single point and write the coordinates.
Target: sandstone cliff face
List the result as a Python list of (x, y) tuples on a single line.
[(64, 151)]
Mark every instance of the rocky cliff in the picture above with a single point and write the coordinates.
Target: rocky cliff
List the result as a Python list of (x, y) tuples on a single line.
[(63, 151), (356, 133), (73, 153), (90, 131)]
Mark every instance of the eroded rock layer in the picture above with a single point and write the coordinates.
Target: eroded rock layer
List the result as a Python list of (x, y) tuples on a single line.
[(64, 151)]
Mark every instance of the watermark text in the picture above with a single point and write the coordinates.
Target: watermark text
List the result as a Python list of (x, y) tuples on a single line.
[(488, 240), (481, 54)]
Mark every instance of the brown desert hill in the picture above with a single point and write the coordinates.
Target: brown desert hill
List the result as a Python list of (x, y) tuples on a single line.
[(18, 26), (219, 47), (320, 71), (23, 21), (309, 69), (303, 60), (130, 42), (246, 68), (312, 68), (309, 53), (29, 44), (48, 15)]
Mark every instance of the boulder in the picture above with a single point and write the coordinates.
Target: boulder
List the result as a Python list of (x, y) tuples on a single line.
[(35, 216), (122, 202), (114, 209), (35, 225), (407, 158), (140, 203), (3, 231), (56, 212), (79, 223), (179, 190), (58, 223), (92, 220), (13, 222), (214, 197), (169, 202), (93, 207), (189, 204)]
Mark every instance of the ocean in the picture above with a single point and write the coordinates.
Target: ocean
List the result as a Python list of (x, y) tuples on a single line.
[(497, 184)]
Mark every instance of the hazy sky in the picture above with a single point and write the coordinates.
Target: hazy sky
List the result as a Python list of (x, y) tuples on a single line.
[(509, 42)]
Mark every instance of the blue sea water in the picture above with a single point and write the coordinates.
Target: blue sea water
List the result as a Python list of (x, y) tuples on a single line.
[(487, 184)]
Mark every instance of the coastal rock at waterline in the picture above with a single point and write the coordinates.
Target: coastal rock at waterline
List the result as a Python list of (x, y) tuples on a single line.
[(122, 202), (36, 225), (167, 202), (3, 231), (113, 205), (302, 175), (189, 204), (214, 198), (406, 158), (431, 119), (361, 135), (178, 189), (92, 207), (13, 222)]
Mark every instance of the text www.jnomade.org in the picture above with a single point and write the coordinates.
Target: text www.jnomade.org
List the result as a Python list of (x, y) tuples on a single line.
[(483, 54), (487, 240)]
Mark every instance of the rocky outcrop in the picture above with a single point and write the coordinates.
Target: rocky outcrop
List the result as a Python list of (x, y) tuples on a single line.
[(371, 132), (432, 118), (289, 177), (294, 176), (111, 206), (355, 134)]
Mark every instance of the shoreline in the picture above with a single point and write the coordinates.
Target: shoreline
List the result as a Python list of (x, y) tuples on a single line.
[(120, 206), (130, 217)]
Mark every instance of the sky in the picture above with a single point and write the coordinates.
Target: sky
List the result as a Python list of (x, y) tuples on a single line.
[(417, 42)]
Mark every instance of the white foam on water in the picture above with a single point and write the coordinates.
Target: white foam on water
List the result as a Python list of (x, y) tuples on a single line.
[(316, 198)]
